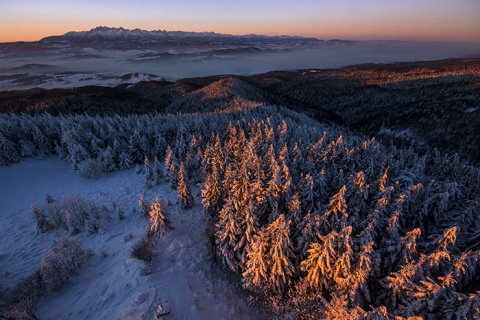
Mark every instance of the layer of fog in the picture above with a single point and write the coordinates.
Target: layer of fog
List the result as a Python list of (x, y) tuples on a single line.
[(111, 64)]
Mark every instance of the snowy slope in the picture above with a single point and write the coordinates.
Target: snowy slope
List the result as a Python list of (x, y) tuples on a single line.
[(112, 286)]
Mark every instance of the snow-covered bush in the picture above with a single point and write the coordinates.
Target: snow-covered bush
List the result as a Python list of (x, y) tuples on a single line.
[(89, 168), (43, 223), (144, 249), (61, 264), (73, 213)]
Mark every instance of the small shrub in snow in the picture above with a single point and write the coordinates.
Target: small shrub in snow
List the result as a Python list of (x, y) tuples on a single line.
[(91, 225), (63, 262), (72, 213), (25, 295), (89, 168), (119, 211), (43, 223), (144, 249)]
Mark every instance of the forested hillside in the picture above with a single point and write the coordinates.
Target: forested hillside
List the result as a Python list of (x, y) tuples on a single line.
[(421, 104), (317, 222)]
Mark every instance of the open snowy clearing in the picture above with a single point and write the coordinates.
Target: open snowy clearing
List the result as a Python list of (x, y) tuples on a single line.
[(112, 285)]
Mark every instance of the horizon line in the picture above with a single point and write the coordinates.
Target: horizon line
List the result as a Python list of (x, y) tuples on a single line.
[(396, 39)]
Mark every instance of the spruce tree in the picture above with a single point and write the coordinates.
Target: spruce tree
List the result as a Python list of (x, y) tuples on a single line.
[(212, 193), (125, 160), (149, 175), (158, 219), (171, 168), (269, 261), (281, 254), (255, 276), (157, 172), (336, 215), (226, 235), (108, 160), (144, 206), (183, 189)]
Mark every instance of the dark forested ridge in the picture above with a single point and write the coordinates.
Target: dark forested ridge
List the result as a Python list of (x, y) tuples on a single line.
[(424, 104)]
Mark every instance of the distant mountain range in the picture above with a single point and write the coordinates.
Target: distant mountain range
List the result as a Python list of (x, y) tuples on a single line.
[(144, 38)]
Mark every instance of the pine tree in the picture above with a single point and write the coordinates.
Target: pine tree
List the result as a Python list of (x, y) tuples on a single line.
[(357, 193), (248, 228), (286, 187), (329, 263), (280, 253), (255, 276), (171, 167), (274, 189), (108, 160), (144, 206), (212, 193), (226, 235), (295, 210), (320, 262), (308, 193), (183, 189), (137, 147), (269, 264), (158, 219), (382, 182), (149, 175), (125, 160), (157, 172), (336, 214)]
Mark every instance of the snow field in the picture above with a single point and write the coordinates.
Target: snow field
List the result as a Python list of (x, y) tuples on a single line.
[(113, 285)]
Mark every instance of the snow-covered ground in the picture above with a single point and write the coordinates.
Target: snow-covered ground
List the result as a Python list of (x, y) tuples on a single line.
[(112, 285)]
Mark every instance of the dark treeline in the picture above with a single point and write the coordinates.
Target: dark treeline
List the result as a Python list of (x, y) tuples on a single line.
[(318, 222)]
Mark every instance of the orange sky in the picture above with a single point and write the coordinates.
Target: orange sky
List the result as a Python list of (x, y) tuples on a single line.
[(448, 20)]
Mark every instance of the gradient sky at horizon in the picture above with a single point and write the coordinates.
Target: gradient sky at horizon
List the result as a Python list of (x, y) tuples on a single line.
[(443, 20)]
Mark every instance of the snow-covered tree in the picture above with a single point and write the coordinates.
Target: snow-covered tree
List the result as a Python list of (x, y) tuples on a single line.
[(144, 206), (336, 214), (171, 168), (227, 233), (159, 222), (149, 174), (108, 160), (269, 263), (184, 192), (212, 193)]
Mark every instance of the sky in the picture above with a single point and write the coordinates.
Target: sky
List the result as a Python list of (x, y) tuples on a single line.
[(434, 20)]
